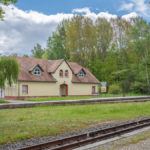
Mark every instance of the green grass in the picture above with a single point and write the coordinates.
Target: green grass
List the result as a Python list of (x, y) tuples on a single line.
[(120, 95), (20, 124), (3, 101), (78, 97)]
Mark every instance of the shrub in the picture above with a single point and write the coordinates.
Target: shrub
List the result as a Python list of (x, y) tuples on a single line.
[(114, 89), (139, 87)]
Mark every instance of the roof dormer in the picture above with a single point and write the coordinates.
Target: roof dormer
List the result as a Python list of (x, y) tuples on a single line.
[(36, 70), (81, 73)]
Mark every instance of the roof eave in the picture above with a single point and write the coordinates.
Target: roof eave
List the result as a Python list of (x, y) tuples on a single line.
[(35, 81)]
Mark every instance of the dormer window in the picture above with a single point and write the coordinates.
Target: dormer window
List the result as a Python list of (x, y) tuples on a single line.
[(81, 74), (37, 71)]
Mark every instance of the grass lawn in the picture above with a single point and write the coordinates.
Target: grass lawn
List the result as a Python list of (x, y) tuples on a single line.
[(3, 101), (78, 97), (24, 123)]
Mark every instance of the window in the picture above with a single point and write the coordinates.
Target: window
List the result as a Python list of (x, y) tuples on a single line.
[(93, 89), (61, 73), (66, 74), (81, 74), (37, 71), (24, 89)]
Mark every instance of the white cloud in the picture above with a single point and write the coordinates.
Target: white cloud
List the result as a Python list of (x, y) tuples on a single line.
[(82, 10), (93, 15), (139, 6), (126, 6), (21, 30), (106, 15), (129, 16)]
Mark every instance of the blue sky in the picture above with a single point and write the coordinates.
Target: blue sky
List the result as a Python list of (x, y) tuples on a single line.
[(29, 22), (66, 6)]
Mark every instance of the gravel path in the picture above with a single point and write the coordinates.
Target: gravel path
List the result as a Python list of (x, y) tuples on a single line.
[(127, 144), (142, 145), (19, 101)]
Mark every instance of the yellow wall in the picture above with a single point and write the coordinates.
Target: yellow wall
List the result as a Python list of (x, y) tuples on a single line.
[(52, 89), (11, 91), (81, 89), (39, 89)]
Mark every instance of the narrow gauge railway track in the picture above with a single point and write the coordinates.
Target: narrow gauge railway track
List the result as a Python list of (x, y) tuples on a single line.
[(91, 137)]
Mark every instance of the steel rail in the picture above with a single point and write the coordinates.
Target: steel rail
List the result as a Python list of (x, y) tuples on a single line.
[(72, 142)]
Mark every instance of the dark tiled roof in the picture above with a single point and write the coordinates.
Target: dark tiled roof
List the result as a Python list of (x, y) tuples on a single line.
[(48, 67)]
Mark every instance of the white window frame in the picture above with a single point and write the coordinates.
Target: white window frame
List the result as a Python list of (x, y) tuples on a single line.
[(81, 74), (24, 89), (37, 71)]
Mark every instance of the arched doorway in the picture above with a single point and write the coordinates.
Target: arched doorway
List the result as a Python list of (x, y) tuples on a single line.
[(63, 90)]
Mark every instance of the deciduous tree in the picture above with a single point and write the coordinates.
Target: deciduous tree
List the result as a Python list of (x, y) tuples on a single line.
[(56, 43), (37, 51), (9, 70)]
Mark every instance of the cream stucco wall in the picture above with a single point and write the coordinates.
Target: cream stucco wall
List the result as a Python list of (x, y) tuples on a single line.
[(82, 89), (11, 91), (39, 89), (73, 88), (50, 88)]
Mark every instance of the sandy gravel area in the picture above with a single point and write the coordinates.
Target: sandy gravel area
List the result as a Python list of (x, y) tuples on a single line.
[(137, 142)]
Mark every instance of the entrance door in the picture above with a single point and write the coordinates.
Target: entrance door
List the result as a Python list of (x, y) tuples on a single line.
[(1, 93), (63, 90)]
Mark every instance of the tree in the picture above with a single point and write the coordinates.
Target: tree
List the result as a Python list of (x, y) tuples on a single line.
[(9, 70), (56, 43), (121, 30), (37, 52), (25, 55), (80, 40), (104, 36), (141, 45), (5, 2)]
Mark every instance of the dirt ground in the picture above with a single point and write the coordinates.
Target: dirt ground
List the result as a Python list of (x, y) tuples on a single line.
[(140, 141)]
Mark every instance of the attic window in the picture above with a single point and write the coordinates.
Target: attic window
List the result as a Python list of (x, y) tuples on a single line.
[(37, 71), (81, 74)]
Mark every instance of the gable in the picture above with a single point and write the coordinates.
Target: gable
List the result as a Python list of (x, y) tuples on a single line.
[(37, 71), (65, 65), (59, 74), (81, 73)]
